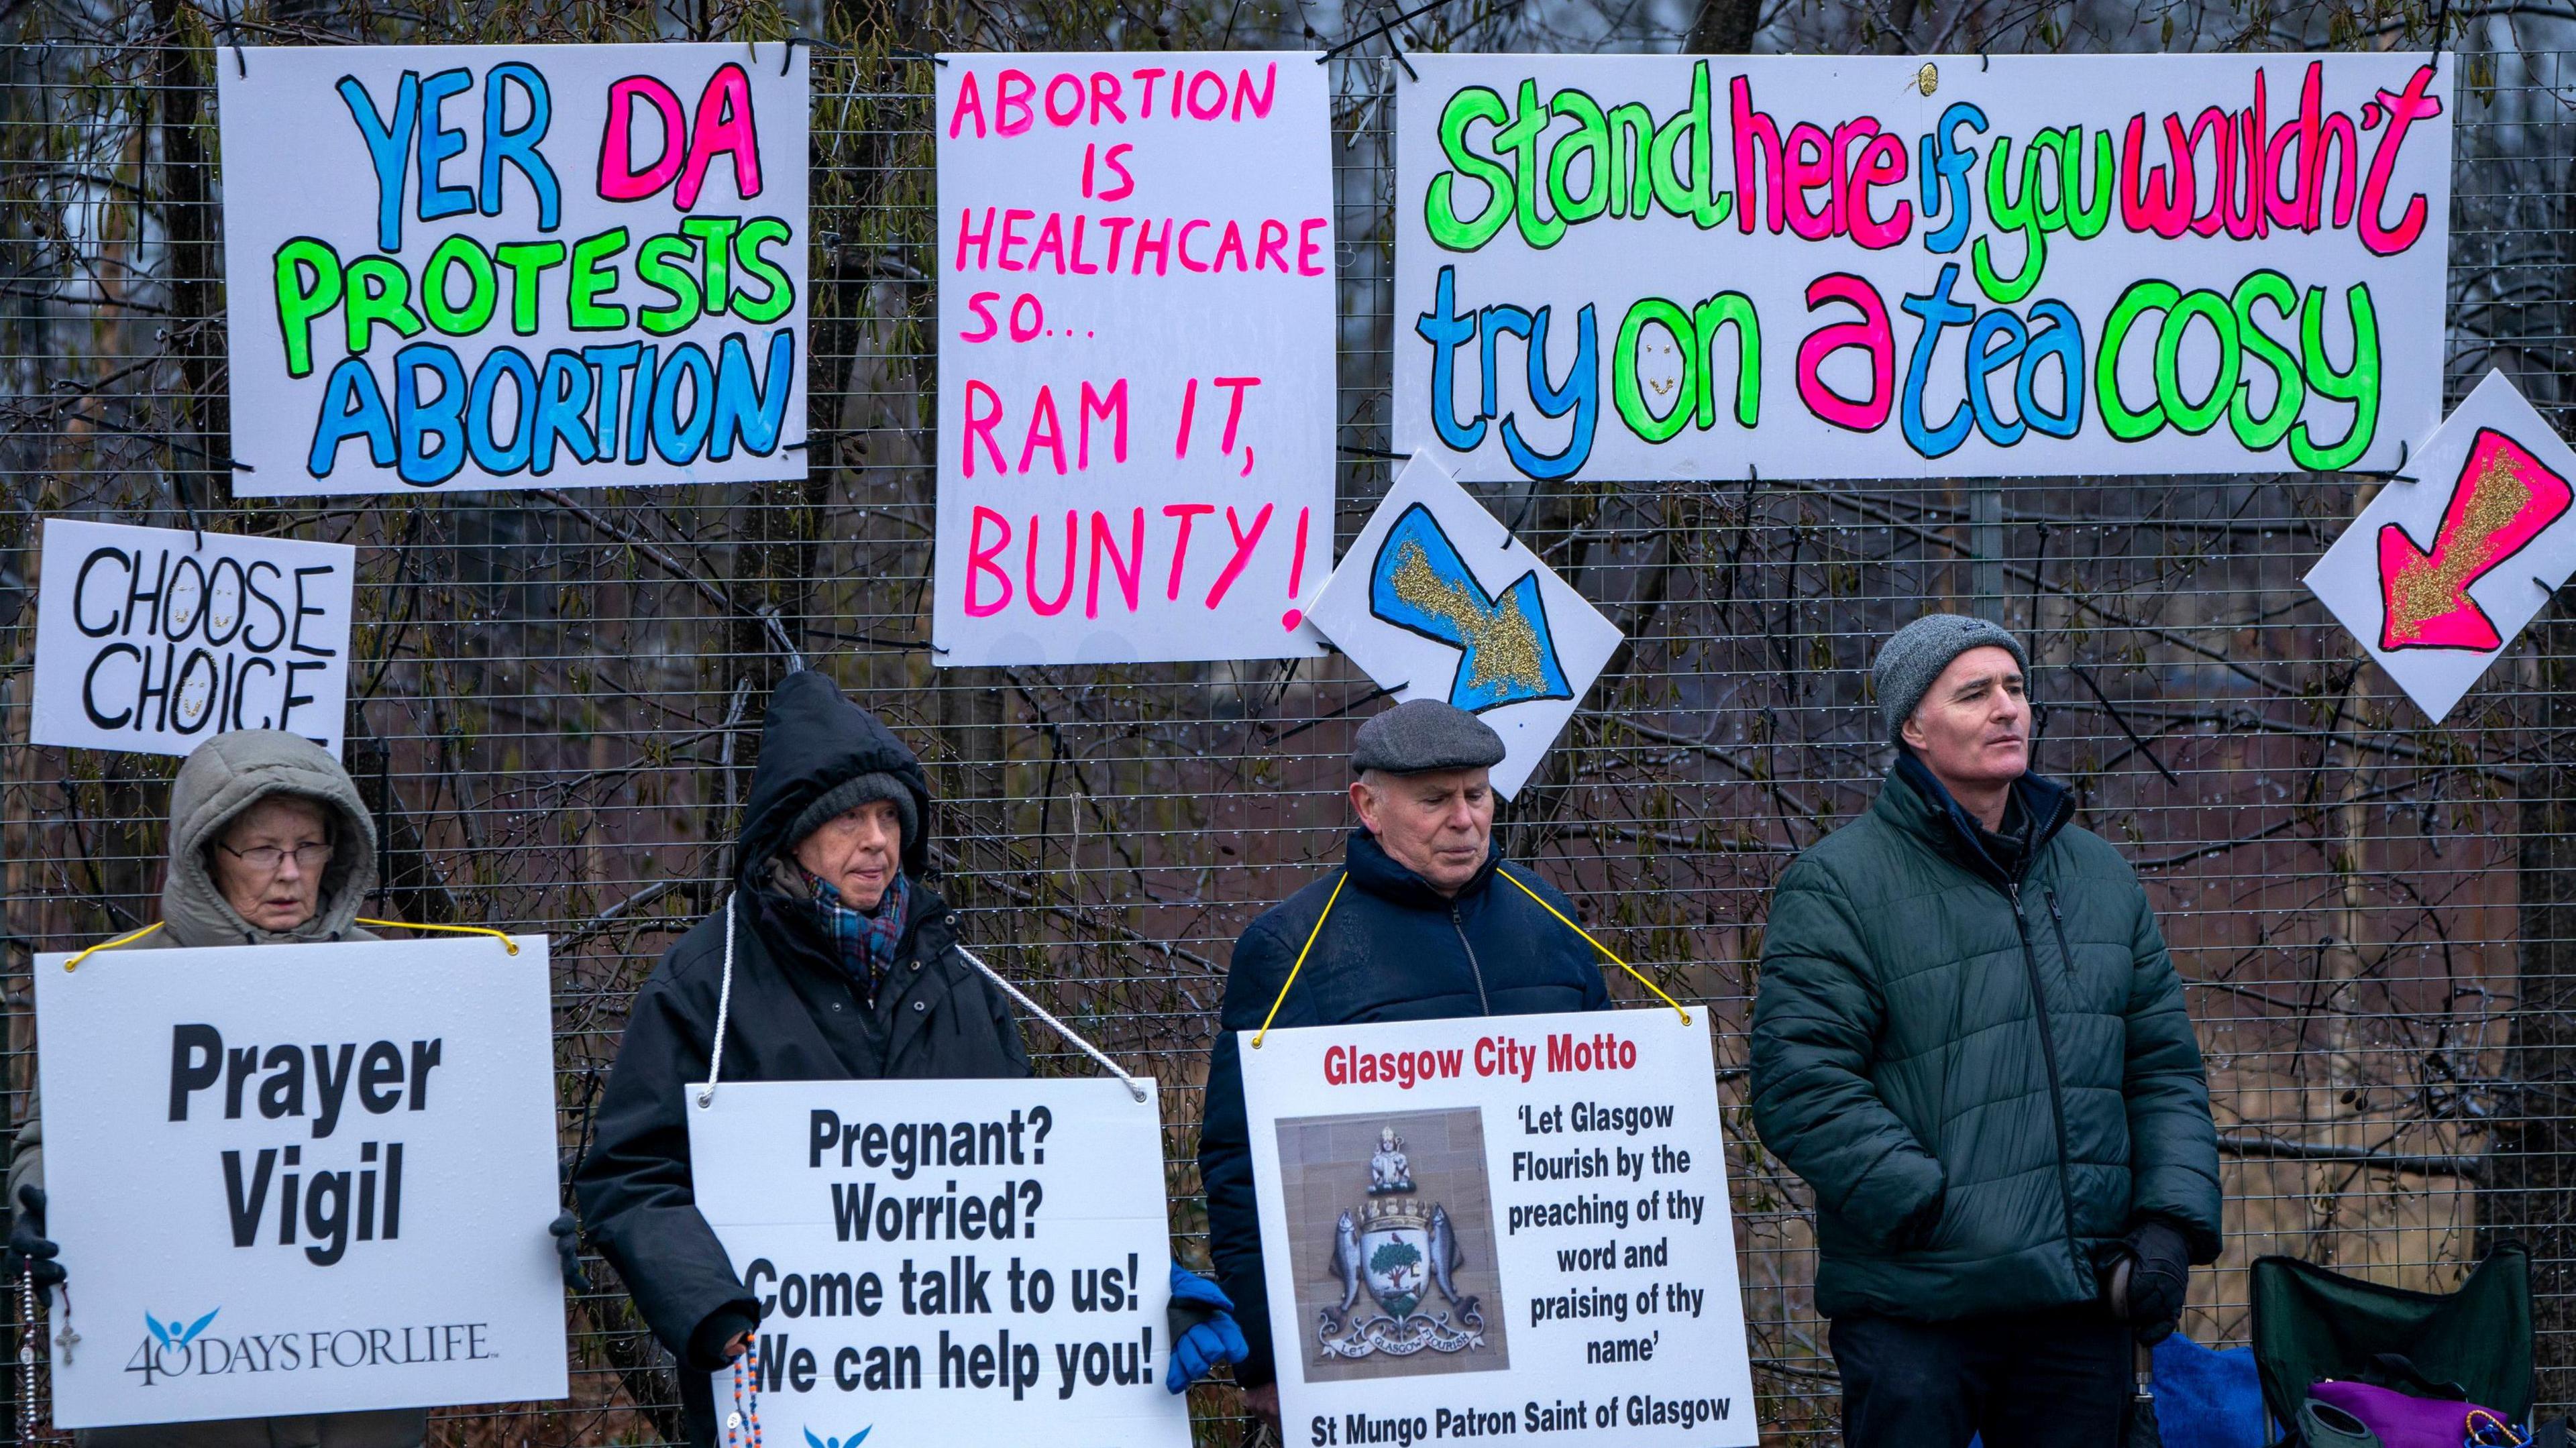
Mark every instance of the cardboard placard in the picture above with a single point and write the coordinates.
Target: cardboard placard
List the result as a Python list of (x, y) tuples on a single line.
[(514, 266), (154, 640), (301, 1179), (1136, 356), (947, 1261), (1500, 1225)]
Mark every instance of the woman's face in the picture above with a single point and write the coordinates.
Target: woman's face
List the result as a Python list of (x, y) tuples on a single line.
[(270, 859)]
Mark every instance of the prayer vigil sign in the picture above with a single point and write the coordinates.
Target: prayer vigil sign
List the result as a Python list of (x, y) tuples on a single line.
[(155, 640), (307, 1179), (945, 1261), (517, 266), (1894, 267), (1135, 356), (1499, 1225)]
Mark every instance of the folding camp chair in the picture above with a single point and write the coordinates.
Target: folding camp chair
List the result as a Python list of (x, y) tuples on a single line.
[(2476, 1343)]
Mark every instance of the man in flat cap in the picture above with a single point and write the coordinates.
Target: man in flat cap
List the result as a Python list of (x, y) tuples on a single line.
[(1969, 1041), (1424, 931)]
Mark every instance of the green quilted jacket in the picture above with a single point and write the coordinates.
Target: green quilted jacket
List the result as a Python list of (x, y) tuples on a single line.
[(1985, 1074)]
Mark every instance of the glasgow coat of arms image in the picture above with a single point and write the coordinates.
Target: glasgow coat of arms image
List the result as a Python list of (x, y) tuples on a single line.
[(1399, 1252)]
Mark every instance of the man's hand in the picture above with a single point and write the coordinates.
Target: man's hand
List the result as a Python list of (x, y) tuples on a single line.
[(29, 1248), (1263, 1403), (2151, 1280), (1205, 1335)]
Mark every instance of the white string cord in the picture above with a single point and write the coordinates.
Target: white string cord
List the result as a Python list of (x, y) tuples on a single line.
[(724, 1007), (1135, 1087)]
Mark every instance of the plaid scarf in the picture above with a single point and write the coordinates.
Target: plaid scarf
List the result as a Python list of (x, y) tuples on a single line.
[(866, 939)]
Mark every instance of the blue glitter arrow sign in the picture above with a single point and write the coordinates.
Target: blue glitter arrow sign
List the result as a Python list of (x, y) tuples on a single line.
[(1418, 582)]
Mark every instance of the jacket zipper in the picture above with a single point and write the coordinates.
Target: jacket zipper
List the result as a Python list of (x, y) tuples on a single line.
[(2048, 1052), (2065, 952), (1478, 971)]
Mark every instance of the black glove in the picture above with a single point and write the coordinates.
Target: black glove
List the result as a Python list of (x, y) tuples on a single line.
[(567, 1234), (2150, 1279), (28, 1247)]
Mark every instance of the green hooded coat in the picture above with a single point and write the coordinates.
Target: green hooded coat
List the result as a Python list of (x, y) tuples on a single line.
[(1984, 1071)]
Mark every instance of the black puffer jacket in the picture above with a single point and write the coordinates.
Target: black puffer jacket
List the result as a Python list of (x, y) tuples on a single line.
[(796, 1016), (1394, 949)]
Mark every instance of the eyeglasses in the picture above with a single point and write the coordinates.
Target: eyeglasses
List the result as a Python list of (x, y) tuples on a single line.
[(268, 858)]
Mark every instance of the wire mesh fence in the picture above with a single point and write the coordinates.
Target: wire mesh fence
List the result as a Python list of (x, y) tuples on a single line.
[(556, 696)]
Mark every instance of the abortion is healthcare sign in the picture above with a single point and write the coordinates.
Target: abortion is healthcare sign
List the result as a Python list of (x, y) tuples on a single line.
[(313, 1179), (1884, 267), (519, 266), (1136, 328), (1500, 1226), (947, 1261)]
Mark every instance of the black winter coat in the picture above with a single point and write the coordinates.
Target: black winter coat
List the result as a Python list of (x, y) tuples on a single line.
[(796, 1016), (1394, 949)]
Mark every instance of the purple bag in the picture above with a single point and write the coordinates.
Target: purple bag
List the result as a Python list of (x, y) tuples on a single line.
[(2402, 1420)]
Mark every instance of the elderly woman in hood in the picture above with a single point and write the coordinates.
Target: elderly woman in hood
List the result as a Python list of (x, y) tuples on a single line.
[(843, 966), (269, 845)]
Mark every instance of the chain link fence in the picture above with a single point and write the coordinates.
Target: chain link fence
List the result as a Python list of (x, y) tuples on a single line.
[(556, 697)]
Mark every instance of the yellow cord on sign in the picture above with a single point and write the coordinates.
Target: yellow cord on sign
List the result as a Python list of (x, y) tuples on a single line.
[(74, 963), (1597, 945), (1301, 960), (502, 936)]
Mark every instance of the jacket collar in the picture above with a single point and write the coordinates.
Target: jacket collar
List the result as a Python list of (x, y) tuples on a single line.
[(1914, 800), (1374, 870)]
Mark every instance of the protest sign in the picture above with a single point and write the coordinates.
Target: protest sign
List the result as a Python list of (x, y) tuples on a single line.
[(307, 1179), (947, 1261), (155, 640), (1499, 1225), (1437, 600), (2449, 561), (1856, 267), (1136, 329), (515, 266)]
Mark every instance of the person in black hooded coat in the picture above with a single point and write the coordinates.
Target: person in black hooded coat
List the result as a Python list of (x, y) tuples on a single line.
[(796, 1015)]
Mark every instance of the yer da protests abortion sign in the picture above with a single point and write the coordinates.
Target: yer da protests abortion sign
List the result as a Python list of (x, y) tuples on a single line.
[(1806, 267), (514, 266), (946, 1261), (1499, 1226), (1135, 356), (155, 640), (305, 1180)]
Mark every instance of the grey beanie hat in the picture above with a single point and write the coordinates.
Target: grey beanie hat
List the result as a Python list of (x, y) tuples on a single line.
[(1425, 734), (849, 794), (1915, 656)]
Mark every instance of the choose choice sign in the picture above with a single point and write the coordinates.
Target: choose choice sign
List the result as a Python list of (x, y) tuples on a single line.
[(300, 1180), (1500, 1226)]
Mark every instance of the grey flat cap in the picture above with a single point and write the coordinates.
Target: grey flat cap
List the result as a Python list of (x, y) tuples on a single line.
[(1915, 656), (1425, 734), (849, 794)]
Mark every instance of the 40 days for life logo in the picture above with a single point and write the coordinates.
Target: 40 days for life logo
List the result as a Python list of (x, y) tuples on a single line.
[(172, 1348)]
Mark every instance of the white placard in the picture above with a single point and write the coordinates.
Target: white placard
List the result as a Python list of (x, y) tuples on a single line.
[(1136, 364), (1614, 267), (514, 266), (947, 1261), (308, 1179), (1499, 1225), (1437, 600), (155, 640), (2439, 574)]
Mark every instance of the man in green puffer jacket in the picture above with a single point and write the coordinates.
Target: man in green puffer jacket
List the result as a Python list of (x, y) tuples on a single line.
[(1969, 1041)]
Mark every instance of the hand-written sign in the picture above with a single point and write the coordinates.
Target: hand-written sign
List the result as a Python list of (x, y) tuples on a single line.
[(1505, 1225), (154, 640), (964, 1261), (514, 266), (1648, 266), (1136, 360), (2448, 563), (301, 1179), (1437, 600)]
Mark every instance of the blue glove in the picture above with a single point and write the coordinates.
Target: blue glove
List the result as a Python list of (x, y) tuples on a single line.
[(1211, 1338)]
